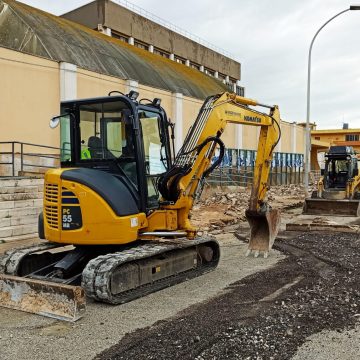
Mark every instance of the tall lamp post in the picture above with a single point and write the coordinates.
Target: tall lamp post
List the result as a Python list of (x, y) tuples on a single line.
[(307, 129)]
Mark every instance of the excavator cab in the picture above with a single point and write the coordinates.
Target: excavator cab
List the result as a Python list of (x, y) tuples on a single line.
[(118, 136), (340, 167), (337, 192)]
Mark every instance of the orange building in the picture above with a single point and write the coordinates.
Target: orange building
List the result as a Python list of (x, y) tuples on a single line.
[(321, 140)]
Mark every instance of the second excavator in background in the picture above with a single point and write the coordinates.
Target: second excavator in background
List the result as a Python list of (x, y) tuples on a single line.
[(116, 216), (338, 189)]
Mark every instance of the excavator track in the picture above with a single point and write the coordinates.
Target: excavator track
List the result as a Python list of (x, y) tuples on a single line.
[(11, 260), (99, 272)]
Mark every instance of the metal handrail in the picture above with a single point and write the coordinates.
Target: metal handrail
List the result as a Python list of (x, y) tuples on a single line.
[(22, 154)]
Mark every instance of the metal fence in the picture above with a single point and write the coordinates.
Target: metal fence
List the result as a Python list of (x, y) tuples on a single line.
[(19, 157), (237, 169)]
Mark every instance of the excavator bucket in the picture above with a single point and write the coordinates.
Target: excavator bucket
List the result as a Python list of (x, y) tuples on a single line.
[(331, 207), (59, 301), (263, 230)]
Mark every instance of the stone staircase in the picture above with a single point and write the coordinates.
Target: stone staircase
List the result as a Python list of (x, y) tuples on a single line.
[(21, 202)]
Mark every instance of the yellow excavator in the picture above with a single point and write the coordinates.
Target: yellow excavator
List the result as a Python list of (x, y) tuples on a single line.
[(338, 189), (116, 214)]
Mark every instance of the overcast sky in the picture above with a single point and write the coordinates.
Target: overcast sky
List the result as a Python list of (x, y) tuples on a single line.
[(271, 40)]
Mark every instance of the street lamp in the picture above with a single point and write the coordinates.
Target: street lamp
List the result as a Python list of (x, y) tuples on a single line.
[(307, 129)]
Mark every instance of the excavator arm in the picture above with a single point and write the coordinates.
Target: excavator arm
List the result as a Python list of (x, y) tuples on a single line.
[(184, 181)]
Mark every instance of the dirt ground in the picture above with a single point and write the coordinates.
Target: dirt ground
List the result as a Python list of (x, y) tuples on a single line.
[(301, 303)]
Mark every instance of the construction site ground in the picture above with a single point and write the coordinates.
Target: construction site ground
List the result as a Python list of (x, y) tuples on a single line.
[(302, 302)]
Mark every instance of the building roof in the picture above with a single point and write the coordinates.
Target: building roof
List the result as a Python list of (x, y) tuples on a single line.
[(335, 131), (30, 30)]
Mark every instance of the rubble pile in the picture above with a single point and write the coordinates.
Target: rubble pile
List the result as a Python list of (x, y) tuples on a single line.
[(218, 208)]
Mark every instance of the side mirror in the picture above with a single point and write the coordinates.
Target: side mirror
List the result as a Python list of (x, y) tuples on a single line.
[(55, 121)]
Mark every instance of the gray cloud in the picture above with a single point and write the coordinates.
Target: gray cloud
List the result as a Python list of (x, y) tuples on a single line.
[(271, 40)]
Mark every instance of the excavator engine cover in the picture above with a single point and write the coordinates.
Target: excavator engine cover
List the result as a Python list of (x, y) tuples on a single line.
[(263, 229)]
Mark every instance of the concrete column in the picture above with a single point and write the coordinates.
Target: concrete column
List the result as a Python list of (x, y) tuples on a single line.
[(216, 74), (107, 31), (68, 81), (234, 88), (238, 83), (151, 48), (104, 30), (131, 40), (172, 57), (131, 85), (239, 136), (187, 62), (227, 79), (278, 146), (293, 138), (178, 120), (202, 68)]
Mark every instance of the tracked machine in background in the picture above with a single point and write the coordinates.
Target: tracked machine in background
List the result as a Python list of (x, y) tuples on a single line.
[(338, 189), (116, 214)]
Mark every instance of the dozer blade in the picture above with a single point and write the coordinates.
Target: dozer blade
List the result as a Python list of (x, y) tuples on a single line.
[(59, 301), (263, 230), (332, 207)]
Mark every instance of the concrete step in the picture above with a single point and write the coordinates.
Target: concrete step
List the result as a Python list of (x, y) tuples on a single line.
[(21, 189), (20, 238), (19, 182), (16, 213), (10, 231), (22, 220), (12, 204), (21, 196)]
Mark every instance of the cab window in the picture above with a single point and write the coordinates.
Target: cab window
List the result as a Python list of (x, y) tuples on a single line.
[(154, 152), (106, 134)]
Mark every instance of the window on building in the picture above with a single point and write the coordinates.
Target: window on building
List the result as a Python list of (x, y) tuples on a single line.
[(240, 90), (141, 45), (179, 60), (222, 76), (352, 137), (161, 53), (209, 72), (317, 137), (194, 66), (120, 37)]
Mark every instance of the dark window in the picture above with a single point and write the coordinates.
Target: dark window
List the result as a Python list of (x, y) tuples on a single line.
[(65, 141), (352, 137), (317, 137), (154, 151), (106, 134)]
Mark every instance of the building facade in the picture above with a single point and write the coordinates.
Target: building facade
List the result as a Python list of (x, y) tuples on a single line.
[(321, 140), (120, 22), (45, 59)]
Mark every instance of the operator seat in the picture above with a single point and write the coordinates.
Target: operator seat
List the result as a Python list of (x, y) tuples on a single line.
[(95, 147)]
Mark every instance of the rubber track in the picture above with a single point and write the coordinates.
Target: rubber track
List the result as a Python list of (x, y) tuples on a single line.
[(98, 272), (10, 261)]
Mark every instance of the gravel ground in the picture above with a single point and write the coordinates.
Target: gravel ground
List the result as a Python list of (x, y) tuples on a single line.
[(25, 336), (268, 315)]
